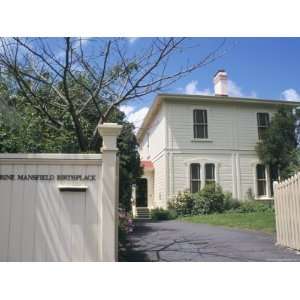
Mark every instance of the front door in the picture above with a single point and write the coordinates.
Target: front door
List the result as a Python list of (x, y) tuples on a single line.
[(141, 193)]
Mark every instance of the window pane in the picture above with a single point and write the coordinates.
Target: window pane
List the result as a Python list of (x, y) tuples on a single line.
[(261, 131), (200, 123), (261, 180), (204, 112), (263, 119), (200, 116), (195, 183), (261, 188), (200, 131), (260, 172), (195, 171), (196, 131), (262, 123), (209, 172), (195, 186)]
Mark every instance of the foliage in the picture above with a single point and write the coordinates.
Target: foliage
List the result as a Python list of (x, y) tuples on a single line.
[(66, 79), (278, 147), (253, 207), (250, 194), (22, 129), (229, 202), (209, 200), (125, 226), (159, 214), (54, 95), (212, 199), (183, 203), (262, 221)]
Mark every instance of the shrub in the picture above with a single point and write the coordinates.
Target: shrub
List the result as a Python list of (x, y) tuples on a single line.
[(159, 214), (250, 194), (209, 200), (253, 206), (182, 203), (125, 226), (230, 203)]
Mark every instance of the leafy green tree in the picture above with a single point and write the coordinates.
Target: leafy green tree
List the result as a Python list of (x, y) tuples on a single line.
[(278, 147), (22, 129)]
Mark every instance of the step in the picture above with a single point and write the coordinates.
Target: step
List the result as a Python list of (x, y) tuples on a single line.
[(143, 213)]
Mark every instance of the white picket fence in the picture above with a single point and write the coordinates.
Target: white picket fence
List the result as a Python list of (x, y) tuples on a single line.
[(287, 212)]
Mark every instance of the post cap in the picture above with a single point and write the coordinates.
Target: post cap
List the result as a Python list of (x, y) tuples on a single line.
[(109, 133)]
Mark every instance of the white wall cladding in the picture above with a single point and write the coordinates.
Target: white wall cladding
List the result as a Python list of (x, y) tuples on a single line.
[(237, 120), (155, 139), (40, 222), (160, 181), (181, 162)]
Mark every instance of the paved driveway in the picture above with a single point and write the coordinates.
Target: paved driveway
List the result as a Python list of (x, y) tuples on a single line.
[(182, 241)]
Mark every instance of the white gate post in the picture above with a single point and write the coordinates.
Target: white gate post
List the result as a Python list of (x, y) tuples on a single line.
[(109, 217)]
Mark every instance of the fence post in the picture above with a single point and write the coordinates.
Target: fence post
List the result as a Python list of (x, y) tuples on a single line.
[(109, 201), (277, 211)]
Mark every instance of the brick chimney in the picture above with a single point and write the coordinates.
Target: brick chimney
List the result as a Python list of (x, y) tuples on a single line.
[(220, 83)]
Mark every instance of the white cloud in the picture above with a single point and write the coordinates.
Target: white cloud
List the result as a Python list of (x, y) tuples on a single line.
[(191, 89), (290, 95), (134, 116), (126, 109), (233, 90), (131, 40)]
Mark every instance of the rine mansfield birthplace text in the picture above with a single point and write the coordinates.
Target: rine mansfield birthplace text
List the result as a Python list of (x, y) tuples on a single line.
[(59, 177)]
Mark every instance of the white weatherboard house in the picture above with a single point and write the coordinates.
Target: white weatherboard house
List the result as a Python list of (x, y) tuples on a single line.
[(188, 140)]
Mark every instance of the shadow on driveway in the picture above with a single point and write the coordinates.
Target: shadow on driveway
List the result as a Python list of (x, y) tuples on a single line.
[(182, 241)]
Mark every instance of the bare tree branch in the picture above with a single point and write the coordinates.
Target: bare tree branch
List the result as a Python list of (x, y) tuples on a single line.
[(74, 80)]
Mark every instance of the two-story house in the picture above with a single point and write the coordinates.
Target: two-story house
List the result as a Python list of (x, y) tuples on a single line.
[(189, 140)]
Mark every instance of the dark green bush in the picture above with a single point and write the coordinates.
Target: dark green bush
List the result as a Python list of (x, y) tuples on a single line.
[(209, 200), (230, 203), (253, 206), (159, 214), (212, 199), (182, 203)]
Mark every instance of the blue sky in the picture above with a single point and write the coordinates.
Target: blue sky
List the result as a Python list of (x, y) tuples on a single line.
[(266, 68), (257, 67)]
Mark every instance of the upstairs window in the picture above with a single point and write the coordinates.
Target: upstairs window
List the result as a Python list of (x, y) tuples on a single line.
[(195, 179), (261, 180), (263, 123), (200, 123), (210, 174)]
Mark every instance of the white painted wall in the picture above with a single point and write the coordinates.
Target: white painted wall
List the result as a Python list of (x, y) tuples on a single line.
[(232, 136), (39, 222), (231, 126), (154, 140)]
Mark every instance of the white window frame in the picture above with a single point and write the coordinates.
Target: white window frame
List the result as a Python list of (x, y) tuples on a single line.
[(209, 180), (195, 107), (256, 114), (203, 125), (200, 176), (268, 181), (202, 163)]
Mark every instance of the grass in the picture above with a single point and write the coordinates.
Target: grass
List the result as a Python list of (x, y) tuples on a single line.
[(260, 221)]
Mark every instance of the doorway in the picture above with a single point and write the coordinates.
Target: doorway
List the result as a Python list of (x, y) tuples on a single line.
[(141, 193)]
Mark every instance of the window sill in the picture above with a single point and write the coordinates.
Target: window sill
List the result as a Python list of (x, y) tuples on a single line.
[(264, 198), (201, 140)]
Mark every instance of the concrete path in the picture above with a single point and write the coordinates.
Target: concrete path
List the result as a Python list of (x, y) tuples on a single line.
[(182, 241)]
